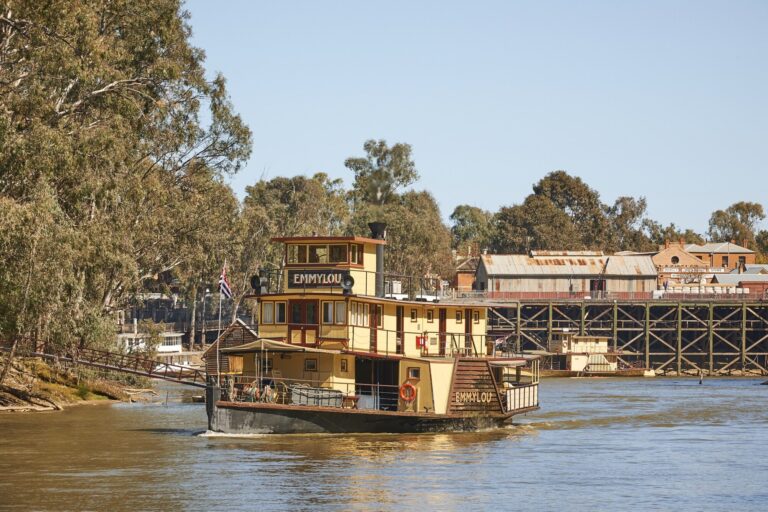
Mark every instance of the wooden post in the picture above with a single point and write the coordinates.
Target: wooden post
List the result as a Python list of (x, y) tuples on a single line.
[(518, 333), (679, 337), (647, 336), (549, 325), (711, 334), (615, 325), (743, 336)]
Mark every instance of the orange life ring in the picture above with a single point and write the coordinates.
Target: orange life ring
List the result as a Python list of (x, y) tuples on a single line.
[(408, 392)]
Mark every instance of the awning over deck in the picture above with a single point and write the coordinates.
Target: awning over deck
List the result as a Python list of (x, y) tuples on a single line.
[(264, 344)]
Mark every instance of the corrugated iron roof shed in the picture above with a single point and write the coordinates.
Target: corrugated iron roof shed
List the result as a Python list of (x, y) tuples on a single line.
[(734, 279), (752, 268), (522, 265), (718, 247), (536, 254)]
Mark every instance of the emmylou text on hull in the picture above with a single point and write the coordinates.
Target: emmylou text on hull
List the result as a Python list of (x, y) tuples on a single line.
[(342, 347)]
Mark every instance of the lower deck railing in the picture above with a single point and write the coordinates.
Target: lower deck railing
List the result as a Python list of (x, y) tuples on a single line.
[(270, 389), (522, 397)]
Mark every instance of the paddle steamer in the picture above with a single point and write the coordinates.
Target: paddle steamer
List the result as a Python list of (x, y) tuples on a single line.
[(342, 347)]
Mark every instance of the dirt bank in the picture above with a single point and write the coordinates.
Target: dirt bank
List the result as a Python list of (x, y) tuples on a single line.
[(33, 385)]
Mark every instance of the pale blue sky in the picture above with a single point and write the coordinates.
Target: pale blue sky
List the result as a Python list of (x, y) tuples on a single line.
[(663, 99)]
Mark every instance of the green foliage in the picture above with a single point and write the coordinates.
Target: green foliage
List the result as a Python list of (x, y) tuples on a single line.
[(108, 173), (382, 172), (418, 243), (738, 222), (471, 229)]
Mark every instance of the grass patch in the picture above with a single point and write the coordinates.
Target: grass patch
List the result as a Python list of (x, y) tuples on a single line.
[(83, 392)]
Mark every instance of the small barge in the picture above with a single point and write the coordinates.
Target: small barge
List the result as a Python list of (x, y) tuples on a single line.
[(572, 355), (336, 352)]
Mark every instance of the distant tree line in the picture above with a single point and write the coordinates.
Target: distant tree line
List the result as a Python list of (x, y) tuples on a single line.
[(564, 213), (114, 153)]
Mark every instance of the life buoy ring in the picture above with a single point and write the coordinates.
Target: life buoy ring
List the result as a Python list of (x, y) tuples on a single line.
[(408, 392)]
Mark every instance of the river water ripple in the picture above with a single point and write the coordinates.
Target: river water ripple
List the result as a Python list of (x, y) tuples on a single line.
[(596, 444)]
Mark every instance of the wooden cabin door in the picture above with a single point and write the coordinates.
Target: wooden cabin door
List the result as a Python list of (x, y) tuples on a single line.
[(400, 336), (303, 322), (442, 326), (468, 346), (374, 328)]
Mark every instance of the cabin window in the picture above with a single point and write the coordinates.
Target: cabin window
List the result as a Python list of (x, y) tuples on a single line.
[(295, 313), (458, 316), (279, 312), (414, 373), (379, 316), (338, 253), (268, 312), (341, 313), (318, 254), (344, 366), (414, 315), (353, 313), (430, 316), (356, 254), (327, 312), (310, 365), (297, 254), (366, 311), (236, 364), (476, 317)]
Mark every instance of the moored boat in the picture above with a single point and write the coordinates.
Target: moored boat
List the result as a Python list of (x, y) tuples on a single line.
[(335, 352)]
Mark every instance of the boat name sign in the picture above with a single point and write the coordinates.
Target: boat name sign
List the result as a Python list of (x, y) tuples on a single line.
[(481, 397), (315, 278)]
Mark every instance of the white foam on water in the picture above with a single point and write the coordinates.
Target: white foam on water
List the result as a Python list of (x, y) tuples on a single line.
[(212, 434)]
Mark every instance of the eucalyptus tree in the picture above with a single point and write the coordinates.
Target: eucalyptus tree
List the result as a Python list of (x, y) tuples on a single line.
[(739, 222), (471, 228), (109, 125)]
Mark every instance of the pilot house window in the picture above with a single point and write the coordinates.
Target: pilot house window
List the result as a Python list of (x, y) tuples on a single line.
[(318, 254), (297, 254), (338, 253)]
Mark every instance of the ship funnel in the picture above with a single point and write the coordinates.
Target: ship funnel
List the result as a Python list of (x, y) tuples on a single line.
[(379, 232)]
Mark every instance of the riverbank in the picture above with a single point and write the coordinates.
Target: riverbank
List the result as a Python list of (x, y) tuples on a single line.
[(32, 385)]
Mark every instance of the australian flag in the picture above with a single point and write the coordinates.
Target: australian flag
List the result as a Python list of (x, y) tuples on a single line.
[(224, 287)]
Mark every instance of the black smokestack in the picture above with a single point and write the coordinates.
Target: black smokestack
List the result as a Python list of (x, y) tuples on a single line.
[(379, 232)]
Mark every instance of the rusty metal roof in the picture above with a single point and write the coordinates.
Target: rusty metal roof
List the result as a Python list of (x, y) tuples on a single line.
[(718, 248), (522, 265)]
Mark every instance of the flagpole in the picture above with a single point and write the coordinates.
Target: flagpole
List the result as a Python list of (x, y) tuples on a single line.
[(218, 344), (218, 334)]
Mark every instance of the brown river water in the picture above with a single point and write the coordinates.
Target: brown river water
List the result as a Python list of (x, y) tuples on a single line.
[(596, 444)]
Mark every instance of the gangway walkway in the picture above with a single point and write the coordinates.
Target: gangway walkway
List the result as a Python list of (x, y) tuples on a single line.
[(128, 363)]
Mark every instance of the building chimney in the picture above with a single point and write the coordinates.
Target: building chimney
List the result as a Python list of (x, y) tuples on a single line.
[(379, 232)]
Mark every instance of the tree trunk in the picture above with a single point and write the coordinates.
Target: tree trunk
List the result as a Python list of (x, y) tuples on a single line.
[(9, 360), (192, 324)]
